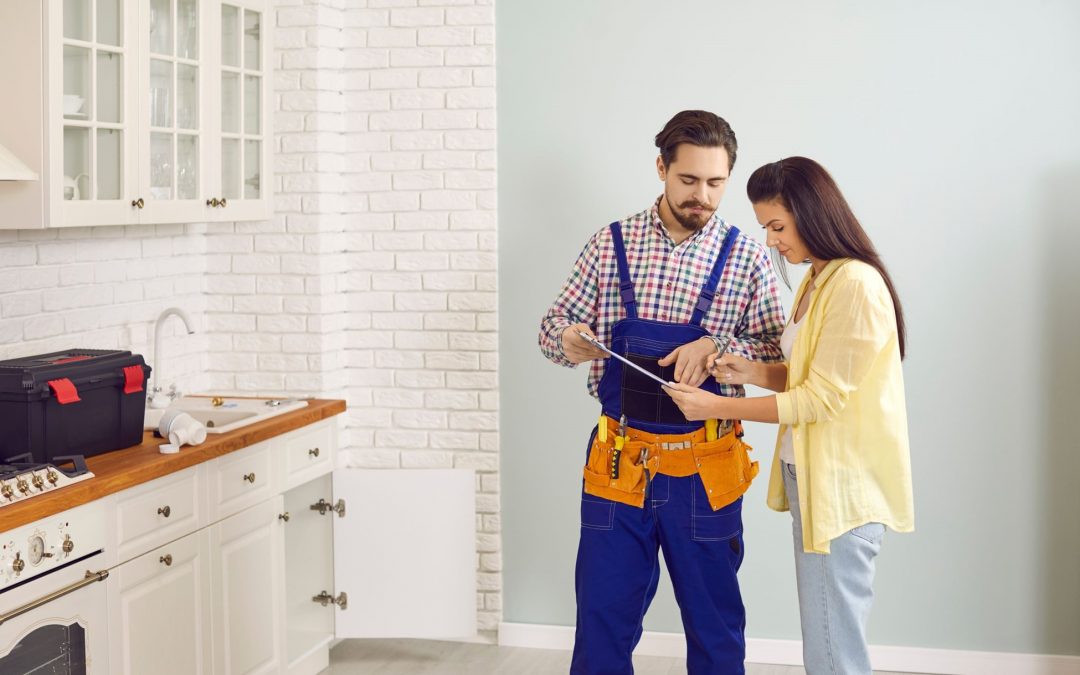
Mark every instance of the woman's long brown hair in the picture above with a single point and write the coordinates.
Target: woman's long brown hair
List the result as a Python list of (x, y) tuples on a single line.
[(824, 220)]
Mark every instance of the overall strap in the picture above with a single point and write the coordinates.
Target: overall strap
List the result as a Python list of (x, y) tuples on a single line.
[(626, 285), (704, 301)]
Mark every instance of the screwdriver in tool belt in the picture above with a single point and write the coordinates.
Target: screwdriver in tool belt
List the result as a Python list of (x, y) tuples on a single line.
[(620, 442)]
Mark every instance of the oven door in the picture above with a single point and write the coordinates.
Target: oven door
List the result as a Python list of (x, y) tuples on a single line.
[(56, 623)]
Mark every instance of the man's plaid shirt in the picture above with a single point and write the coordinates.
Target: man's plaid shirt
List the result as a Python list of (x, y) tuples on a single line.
[(667, 281)]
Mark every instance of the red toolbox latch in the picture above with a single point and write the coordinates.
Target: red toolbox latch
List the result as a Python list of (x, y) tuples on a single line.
[(133, 379), (64, 391)]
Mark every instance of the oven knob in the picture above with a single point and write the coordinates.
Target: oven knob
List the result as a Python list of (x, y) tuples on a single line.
[(23, 486), (68, 546), (5, 489), (52, 476), (18, 564), (39, 482)]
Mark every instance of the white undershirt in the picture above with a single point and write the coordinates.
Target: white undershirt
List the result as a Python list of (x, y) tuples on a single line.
[(787, 341)]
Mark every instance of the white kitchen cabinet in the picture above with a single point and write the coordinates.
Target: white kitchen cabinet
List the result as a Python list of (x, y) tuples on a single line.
[(136, 111), (256, 561), (375, 553), (247, 557), (159, 610)]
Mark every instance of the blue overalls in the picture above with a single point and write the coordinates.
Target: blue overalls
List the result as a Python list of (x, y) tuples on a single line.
[(617, 563)]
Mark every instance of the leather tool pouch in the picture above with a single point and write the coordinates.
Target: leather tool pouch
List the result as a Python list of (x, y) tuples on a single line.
[(628, 487), (725, 469)]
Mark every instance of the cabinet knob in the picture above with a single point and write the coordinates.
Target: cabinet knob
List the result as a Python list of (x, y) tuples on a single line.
[(223, 203), (284, 516), (165, 511), (167, 559), (314, 452), (138, 203), (212, 202), (250, 477)]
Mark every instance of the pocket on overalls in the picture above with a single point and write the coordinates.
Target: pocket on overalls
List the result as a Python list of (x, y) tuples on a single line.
[(624, 485), (721, 525), (725, 469)]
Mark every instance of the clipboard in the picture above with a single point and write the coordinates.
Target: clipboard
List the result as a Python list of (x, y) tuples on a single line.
[(599, 345)]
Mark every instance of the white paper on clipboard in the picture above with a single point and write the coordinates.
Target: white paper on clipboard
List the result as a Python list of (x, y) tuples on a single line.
[(599, 345)]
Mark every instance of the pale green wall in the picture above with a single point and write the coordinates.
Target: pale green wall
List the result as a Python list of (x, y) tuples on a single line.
[(953, 129)]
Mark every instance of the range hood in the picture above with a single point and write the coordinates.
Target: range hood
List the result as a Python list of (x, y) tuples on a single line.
[(13, 169)]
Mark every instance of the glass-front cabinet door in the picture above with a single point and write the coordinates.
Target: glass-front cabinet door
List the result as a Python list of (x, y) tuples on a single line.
[(138, 111), (243, 169), (172, 106), (92, 113)]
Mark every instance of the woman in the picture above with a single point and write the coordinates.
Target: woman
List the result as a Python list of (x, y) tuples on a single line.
[(842, 463)]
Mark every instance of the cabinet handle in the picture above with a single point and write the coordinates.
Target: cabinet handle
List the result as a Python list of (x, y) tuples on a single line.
[(223, 203), (212, 202), (250, 477), (167, 559), (314, 452), (138, 203), (284, 516), (164, 511)]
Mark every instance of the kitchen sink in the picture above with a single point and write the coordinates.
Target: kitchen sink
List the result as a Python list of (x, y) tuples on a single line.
[(231, 414)]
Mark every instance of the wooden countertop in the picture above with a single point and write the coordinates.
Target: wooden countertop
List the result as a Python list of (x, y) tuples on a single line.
[(120, 469)]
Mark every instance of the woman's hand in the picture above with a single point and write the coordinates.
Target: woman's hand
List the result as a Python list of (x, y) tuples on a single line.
[(732, 369), (695, 404)]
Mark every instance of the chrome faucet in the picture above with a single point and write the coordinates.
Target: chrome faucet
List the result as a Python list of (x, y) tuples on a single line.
[(157, 398)]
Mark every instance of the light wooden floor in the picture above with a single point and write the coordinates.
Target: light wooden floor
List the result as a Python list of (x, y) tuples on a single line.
[(424, 657)]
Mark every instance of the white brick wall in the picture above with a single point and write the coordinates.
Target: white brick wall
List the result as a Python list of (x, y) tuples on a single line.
[(376, 279), (102, 288), (420, 289)]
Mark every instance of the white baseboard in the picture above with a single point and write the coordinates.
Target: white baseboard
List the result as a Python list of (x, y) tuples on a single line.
[(789, 652)]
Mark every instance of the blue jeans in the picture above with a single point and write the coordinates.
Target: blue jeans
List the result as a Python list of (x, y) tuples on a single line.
[(618, 570), (836, 592)]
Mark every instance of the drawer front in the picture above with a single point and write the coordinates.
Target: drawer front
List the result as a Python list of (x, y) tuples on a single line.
[(157, 512), (309, 452), (241, 479)]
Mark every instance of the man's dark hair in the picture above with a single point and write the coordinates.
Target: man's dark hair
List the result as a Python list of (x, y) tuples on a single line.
[(696, 127)]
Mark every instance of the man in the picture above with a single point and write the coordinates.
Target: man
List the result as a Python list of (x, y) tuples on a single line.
[(669, 289)]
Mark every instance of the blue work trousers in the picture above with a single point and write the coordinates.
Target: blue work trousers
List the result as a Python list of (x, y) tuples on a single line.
[(618, 569)]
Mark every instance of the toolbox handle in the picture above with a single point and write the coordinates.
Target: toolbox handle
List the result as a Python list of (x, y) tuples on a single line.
[(133, 379), (64, 390)]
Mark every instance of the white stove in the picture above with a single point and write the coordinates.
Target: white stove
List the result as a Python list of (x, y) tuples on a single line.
[(22, 478), (52, 604)]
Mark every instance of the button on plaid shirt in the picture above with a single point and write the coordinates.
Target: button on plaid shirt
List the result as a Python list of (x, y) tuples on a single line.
[(667, 281)]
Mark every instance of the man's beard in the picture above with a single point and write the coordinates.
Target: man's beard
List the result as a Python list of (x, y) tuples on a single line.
[(688, 220)]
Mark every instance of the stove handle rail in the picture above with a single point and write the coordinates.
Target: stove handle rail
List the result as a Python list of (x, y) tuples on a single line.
[(90, 578)]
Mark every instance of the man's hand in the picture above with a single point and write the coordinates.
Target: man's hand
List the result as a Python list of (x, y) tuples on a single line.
[(696, 404), (691, 361), (576, 349)]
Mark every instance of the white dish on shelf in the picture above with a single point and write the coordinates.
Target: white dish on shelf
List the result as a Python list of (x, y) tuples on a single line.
[(73, 105)]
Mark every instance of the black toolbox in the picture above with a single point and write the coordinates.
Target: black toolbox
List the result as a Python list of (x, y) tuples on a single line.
[(74, 402)]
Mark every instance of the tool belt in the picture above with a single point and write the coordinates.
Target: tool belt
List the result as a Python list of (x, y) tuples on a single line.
[(620, 467)]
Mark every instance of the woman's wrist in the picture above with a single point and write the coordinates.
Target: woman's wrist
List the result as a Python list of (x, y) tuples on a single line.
[(758, 374)]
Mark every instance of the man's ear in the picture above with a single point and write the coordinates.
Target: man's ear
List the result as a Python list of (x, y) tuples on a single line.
[(660, 169)]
